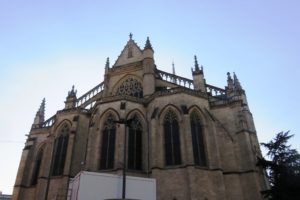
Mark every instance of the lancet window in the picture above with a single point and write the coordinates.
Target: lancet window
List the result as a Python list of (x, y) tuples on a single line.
[(130, 49), (60, 152), (135, 144), (172, 139), (37, 166), (108, 143), (197, 140), (131, 87)]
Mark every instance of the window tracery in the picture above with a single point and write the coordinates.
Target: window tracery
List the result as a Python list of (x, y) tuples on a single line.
[(135, 144), (172, 139), (197, 140), (108, 143), (37, 166), (60, 146), (131, 87)]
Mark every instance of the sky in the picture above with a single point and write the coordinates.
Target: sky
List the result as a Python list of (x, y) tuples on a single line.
[(47, 46)]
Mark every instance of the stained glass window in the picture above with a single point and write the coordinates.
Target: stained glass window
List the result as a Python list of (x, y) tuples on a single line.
[(37, 166), (60, 146), (108, 144), (197, 140), (131, 87), (172, 140), (135, 144)]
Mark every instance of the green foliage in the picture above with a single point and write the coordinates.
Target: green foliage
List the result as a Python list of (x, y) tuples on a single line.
[(283, 168)]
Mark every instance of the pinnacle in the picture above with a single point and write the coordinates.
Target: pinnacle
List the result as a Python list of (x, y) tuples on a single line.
[(173, 68), (236, 82), (229, 76), (42, 106), (72, 93), (107, 63), (148, 44), (196, 64), (40, 114)]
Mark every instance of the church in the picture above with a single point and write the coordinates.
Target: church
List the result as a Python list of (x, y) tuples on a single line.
[(198, 141)]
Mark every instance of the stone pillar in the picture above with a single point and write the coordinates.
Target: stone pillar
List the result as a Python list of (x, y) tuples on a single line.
[(119, 153), (189, 158), (18, 183), (149, 68), (153, 145)]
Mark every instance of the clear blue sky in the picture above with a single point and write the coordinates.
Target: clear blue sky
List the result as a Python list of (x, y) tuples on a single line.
[(47, 46)]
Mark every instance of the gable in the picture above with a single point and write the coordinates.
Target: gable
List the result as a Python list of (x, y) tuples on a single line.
[(130, 54)]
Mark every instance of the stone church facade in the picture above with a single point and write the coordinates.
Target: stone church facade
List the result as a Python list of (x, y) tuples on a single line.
[(197, 140)]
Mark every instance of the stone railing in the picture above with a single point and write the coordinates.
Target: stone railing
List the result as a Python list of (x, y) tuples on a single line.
[(87, 98), (49, 122), (215, 91), (188, 83), (177, 80)]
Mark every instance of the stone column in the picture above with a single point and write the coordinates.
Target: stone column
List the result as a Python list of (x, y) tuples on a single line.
[(18, 183)]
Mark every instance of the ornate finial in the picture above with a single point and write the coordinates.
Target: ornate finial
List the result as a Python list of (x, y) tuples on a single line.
[(173, 67), (196, 64), (148, 44), (72, 93), (107, 63), (130, 36)]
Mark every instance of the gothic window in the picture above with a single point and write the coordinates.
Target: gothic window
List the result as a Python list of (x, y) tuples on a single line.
[(131, 87), (172, 140), (130, 54), (108, 144), (135, 144), (197, 140), (37, 166), (60, 152)]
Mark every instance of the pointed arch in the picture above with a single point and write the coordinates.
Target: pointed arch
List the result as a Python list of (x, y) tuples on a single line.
[(37, 165), (130, 85), (172, 138), (108, 142), (60, 150), (135, 143), (197, 139)]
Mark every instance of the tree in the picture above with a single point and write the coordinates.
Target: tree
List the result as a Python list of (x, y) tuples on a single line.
[(283, 168)]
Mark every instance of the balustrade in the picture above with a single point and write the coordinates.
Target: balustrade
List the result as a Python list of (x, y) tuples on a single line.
[(49, 122), (177, 80), (89, 95), (215, 91)]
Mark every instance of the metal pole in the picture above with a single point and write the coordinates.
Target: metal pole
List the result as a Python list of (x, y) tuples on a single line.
[(124, 163), (126, 124)]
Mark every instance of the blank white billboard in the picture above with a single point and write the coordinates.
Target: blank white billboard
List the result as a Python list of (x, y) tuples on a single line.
[(101, 186)]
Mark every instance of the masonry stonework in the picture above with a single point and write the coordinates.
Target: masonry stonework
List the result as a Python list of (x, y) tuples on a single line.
[(213, 157)]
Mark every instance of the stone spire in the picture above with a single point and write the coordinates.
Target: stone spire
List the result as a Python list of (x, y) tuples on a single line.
[(173, 68), (148, 44), (236, 83), (196, 63), (40, 114), (71, 99), (148, 50), (107, 65), (198, 77), (197, 70)]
